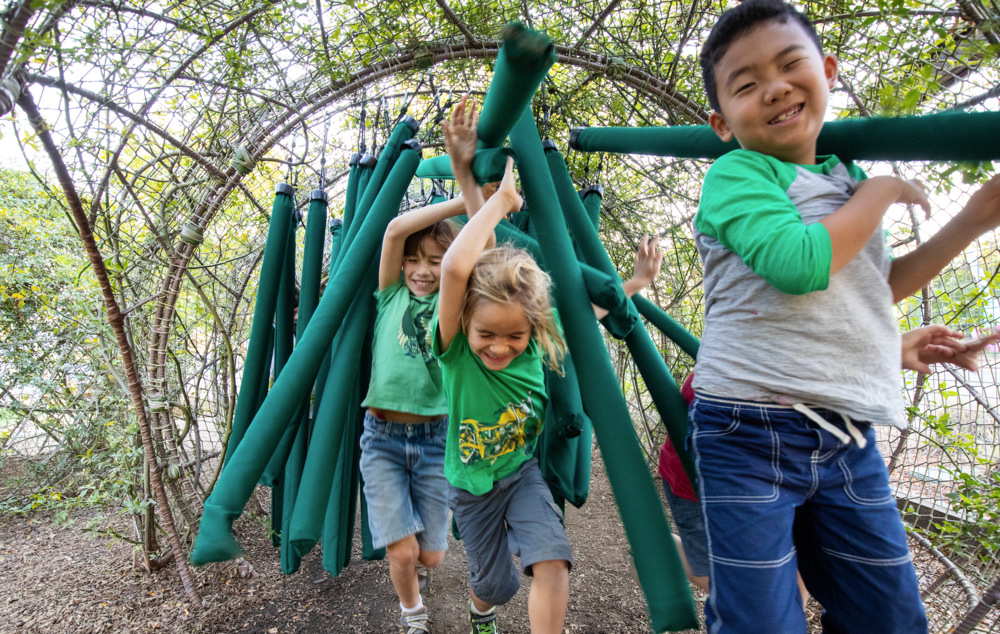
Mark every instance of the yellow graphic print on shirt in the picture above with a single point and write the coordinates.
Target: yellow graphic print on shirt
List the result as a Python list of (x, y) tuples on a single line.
[(516, 427)]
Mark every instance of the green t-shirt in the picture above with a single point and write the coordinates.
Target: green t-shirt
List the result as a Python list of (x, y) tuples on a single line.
[(494, 418), (405, 375)]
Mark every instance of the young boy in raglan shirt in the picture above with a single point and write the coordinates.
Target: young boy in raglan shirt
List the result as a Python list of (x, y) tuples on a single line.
[(800, 355)]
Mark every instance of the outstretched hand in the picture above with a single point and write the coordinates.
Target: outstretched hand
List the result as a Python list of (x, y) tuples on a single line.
[(937, 344), (648, 260), (507, 190), (460, 137)]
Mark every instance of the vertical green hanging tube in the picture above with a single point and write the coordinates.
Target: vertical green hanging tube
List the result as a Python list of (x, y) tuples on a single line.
[(328, 433), (257, 360), (666, 395), (236, 483), (524, 59), (592, 197), (658, 565)]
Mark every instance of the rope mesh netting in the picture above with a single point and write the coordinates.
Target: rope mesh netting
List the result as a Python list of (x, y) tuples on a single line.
[(149, 103)]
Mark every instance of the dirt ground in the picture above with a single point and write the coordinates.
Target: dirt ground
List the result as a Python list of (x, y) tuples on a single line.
[(60, 578)]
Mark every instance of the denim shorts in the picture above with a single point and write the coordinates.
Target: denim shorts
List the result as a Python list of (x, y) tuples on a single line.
[(691, 528), (780, 494), (516, 517), (402, 465)]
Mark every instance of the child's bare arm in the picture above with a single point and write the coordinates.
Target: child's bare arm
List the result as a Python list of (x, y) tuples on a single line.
[(937, 344), (461, 257), (648, 259), (917, 268), (403, 227), (460, 139), (851, 226)]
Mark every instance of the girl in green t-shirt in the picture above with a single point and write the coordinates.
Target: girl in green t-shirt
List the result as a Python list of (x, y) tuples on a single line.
[(405, 427), (495, 329)]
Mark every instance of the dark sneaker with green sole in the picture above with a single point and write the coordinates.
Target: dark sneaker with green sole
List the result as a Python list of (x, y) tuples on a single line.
[(483, 623)]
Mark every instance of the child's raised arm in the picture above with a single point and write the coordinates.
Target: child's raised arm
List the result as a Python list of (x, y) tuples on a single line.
[(916, 269), (648, 259), (402, 227), (461, 258), (460, 139)]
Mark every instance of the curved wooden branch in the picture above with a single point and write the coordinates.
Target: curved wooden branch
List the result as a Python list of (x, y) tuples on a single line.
[(597, 22), (13, 31), (117, 321), (149, 125), (457, 21)]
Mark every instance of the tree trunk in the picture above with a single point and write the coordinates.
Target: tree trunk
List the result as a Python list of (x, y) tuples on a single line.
[(115, 318)]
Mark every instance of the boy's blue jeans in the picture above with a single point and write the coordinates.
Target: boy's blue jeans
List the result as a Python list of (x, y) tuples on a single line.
[(780, 494)]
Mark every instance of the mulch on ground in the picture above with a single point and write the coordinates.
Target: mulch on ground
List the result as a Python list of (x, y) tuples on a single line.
[(59, 578)]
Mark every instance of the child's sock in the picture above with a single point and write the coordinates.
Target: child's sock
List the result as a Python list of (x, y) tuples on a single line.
[(472, 606), (418, 606)]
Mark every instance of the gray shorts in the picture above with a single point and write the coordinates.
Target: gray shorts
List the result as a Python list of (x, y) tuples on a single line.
[(517, 517)]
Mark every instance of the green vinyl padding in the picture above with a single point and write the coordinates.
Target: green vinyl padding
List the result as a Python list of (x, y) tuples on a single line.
[(258, 360), (506, 232), (592, 204), (659, 567), (662, 387), (487, 166), (351, 195), (236, 482), (946, 136), (522, 63), (565, 447), (606, 291), (332, 437), (666, 324), (291, 480)]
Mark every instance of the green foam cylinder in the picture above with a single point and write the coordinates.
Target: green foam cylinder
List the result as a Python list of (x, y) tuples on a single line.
[(662, 387), (666, 324), (606, 291), (946, 136), (592, 203), (487, 166), (564, 458), (524, 59), (258, 359), (659, 567), (236, 482)]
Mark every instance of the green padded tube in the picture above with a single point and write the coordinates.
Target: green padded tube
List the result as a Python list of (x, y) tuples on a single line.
[(364, 380), (290, 487), (277, 510), (235, 485), (524, 59), (606, 292), (364, 175), (947, 136), (284, 340), (658, 565), (487, 166), (507, 232), (400, 134), (351, 197), (662, 387), (565, 460), (331, 434), (666, 324), (592, 203), (258, 361)]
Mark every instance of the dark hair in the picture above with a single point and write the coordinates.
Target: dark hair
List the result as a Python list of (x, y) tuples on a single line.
[(738, 21), (443, 232)]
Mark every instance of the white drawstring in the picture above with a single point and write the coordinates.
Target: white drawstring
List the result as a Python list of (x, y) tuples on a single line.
[(833, 429)]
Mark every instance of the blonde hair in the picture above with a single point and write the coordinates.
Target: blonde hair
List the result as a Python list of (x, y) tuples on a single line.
[(508, 275)]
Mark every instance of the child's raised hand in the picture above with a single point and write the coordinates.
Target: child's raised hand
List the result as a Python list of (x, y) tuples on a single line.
[(648, 259), (986, 203), (969, 358), (938, 344), (914, 194), (508, 189), (460, 135)]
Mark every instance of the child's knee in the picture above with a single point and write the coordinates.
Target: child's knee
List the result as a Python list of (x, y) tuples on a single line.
[(431, 558), (550, 569), (404, 553)]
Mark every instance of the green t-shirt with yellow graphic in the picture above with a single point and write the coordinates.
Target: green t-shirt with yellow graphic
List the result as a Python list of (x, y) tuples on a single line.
[(405, 375), (494, 418)]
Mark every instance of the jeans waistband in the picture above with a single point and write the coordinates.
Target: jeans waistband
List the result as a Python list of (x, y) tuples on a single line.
[(430, 429)]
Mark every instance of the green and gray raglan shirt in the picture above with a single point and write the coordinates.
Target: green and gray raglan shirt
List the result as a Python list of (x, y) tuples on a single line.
[(778, 326)]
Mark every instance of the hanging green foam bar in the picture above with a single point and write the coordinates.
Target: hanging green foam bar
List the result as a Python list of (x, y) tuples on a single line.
[(666, 324), (658, 565), (258, 360), (592, 197), (524, 59), (487, 166), (946, 136), (662, 387), (565, 447), (236, 482)]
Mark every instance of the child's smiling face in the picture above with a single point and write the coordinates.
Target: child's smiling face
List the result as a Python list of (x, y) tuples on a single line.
[(422, 270), (773, 86), (498, 333)]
